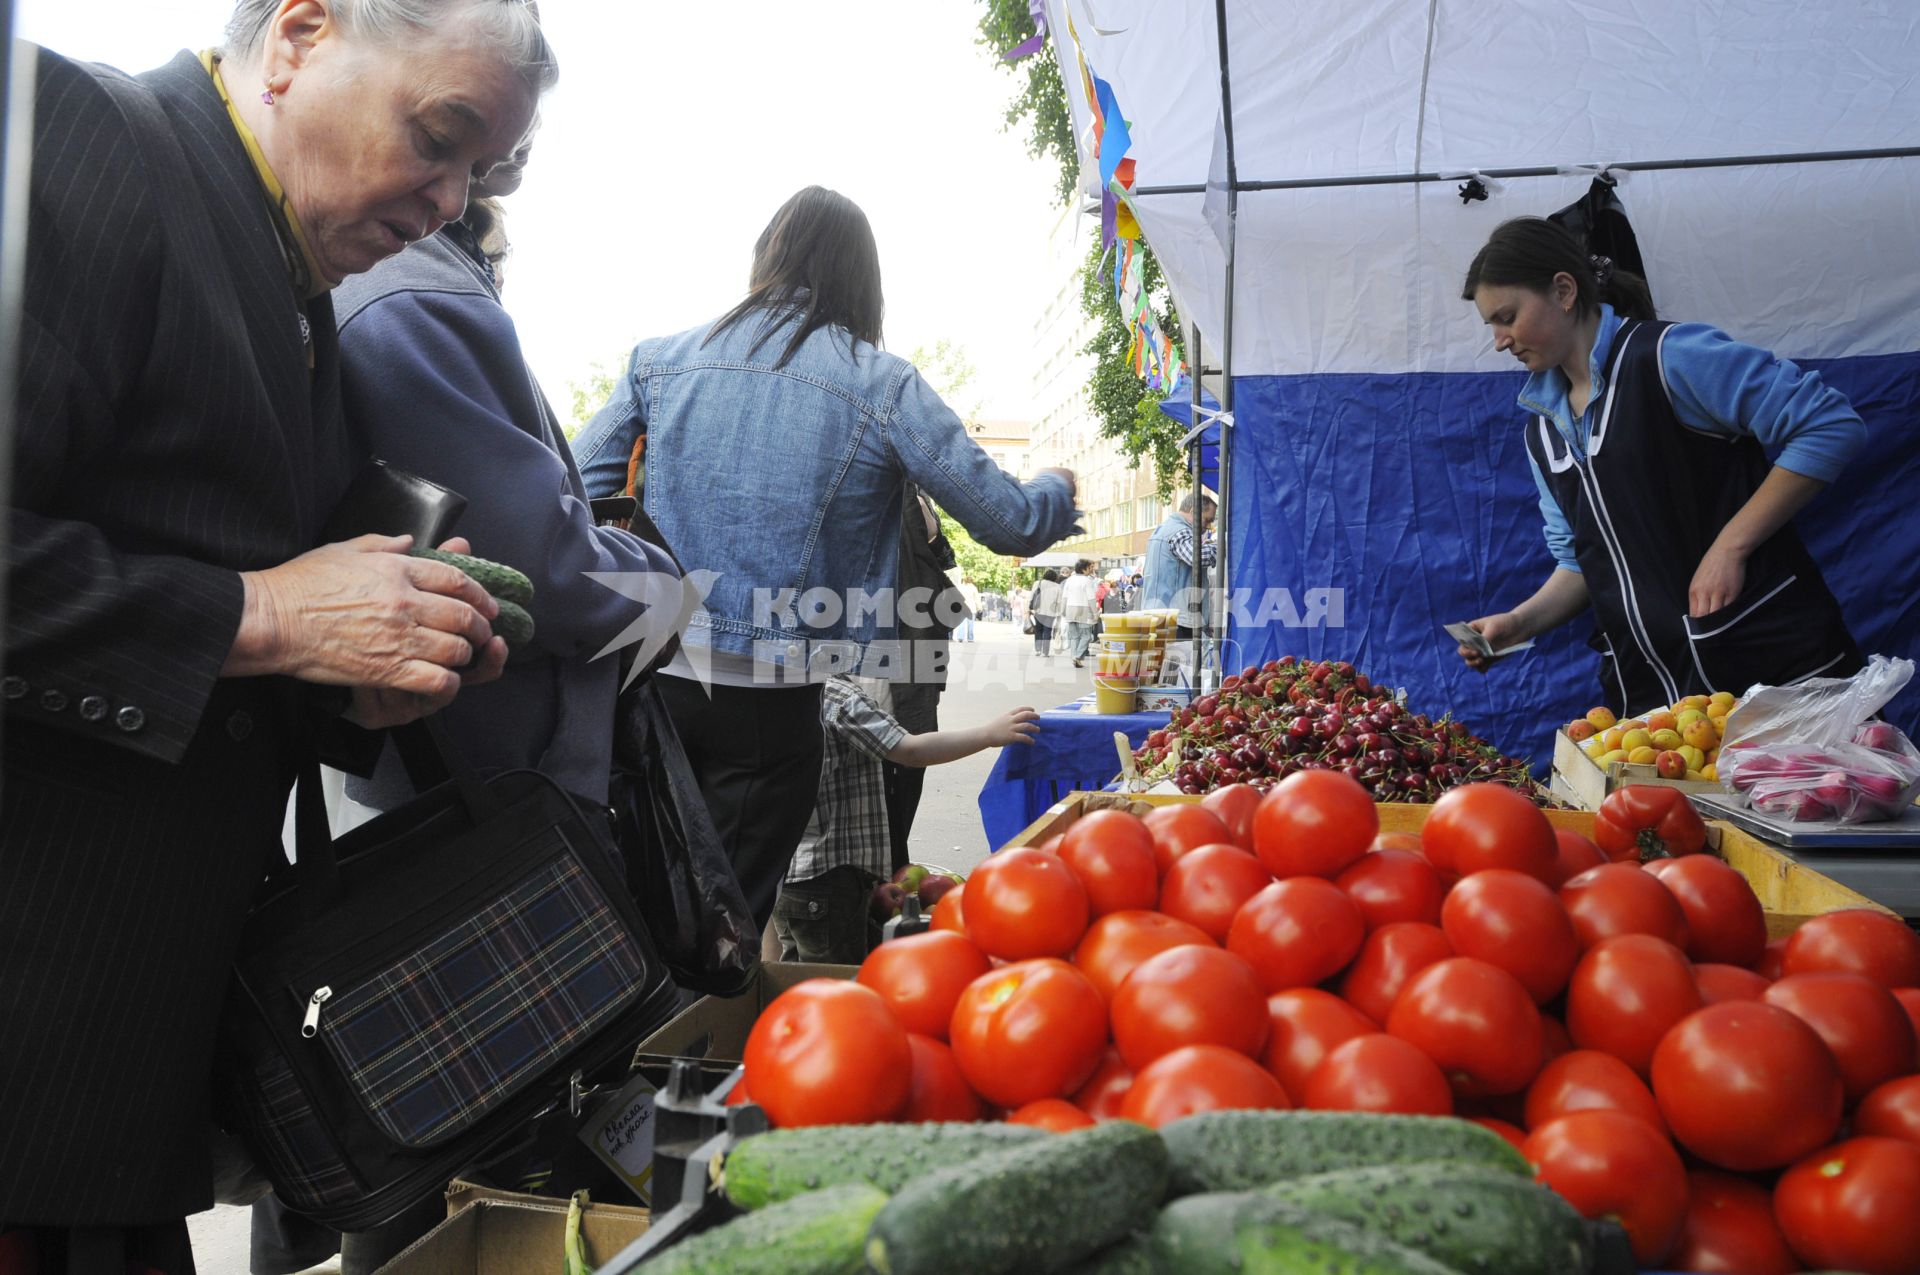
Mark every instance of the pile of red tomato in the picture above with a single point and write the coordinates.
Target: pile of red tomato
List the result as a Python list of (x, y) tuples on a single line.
[(1737, 1104)]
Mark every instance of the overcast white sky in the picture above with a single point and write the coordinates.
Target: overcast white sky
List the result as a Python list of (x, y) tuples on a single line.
[(677, 130)]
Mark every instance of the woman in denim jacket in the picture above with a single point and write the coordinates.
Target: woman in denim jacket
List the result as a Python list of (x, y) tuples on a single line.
[(777, 442)]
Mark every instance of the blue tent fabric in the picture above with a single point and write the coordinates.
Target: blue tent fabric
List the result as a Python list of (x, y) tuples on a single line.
[(1410, 493), (1180, 408)]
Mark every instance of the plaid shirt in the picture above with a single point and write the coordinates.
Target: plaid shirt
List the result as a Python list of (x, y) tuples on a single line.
[(849, 823), (1181, 544)]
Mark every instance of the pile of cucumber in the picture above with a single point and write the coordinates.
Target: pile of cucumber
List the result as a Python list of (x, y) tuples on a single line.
[(510, 588), (1234, 1192)]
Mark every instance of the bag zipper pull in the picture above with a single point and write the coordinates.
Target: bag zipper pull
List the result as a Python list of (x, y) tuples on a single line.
[(310, 1027)]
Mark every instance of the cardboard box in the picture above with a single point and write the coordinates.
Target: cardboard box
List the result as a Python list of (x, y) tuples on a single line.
[(716, 1028), (1579, 779), (1789, 892), (505, 1233)]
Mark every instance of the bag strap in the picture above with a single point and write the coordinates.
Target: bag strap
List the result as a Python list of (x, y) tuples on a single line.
[(432, 761)]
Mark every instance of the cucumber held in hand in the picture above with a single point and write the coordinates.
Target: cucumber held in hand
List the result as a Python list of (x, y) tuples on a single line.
[(1238, 1150), (1030, 1209), (503, 582), (776, 1166), (1251, 1233), (514, 624), (823, 1233), (1477, 1220)]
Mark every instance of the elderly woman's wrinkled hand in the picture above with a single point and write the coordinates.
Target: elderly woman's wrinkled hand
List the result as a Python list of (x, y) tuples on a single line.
[(364, 614)]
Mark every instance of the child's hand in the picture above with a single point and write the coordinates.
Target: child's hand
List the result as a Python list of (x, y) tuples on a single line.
[(1017, 727)]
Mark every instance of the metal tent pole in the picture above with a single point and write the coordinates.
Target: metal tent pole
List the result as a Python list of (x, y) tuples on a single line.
[(1216, 613), (1548, 170)]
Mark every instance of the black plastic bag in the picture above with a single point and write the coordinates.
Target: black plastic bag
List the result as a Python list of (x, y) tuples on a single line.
[(677, 868), (1599, 220)]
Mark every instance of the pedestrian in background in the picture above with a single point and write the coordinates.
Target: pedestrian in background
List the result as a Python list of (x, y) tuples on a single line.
[(1046, 605), (1081, 612)]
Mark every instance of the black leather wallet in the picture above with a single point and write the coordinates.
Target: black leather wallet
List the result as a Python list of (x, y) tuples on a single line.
[(387, 501)]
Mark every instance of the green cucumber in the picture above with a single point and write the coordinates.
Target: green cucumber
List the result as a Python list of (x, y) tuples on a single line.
[(1240, 1150), (819, 1234), (1134, 1255), (1251, 1233), (1478, 1220), (1029, 1209), (514, 624), (777, 1166), (502, 581)]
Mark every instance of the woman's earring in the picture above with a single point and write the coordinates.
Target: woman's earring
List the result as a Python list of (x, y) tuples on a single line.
[(266, 95)]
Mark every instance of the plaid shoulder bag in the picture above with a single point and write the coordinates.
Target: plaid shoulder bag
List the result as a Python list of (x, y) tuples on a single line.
[(409, 998)]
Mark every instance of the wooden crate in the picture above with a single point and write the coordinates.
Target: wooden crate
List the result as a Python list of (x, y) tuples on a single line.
[(1581, 781), (1789, 892)]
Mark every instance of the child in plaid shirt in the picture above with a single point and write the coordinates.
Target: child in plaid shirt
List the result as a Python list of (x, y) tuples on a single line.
[(821, 914)]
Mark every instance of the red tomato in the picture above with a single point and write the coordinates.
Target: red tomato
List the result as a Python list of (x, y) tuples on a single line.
[(1408, 841), (1193, 995), (1033, 1029), (1305, 1025), (1392, 885), (947, 914), (1622, 898), (1199, 1078), (1513, 1133), (1023, 903), (1207, 885), (1609, 1164), (939, 1091), (1100, 1097), (1876, 944), (1573, 854), (1479, 826), (1314, 823), (1730, 1229), (1119, 941), (1727, 982), (920, 977), (1390, 956), (1854, 1206), (1869, 1034), (1476, 1021), (1051, 845), (1745, 1086), (1235, 805), (1909, 998), (1296, 933), (1725, 923), (1626, 993), (1378, 1072), (1773, 961), (828, 1051), (738, 1095), (1178, 829), (1587, 1079), (1112, 854), (1055, 1115), (1515, 922), (1891, 1111)]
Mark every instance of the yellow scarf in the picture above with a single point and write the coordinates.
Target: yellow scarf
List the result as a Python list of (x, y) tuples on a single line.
[(304, 269)]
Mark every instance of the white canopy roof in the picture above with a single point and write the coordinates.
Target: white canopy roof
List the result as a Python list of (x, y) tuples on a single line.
[(1809, 258)]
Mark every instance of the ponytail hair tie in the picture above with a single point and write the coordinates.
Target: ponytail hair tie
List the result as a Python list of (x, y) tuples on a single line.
[(1602, 270)]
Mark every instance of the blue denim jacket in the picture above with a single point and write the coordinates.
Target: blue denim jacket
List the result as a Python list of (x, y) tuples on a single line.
[(787, 483)]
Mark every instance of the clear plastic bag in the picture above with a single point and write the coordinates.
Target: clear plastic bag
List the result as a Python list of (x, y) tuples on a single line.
[(1815, 751)]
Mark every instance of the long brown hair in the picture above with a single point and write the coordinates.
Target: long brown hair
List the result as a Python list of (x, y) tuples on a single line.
[(1528, 252), (816, 262)]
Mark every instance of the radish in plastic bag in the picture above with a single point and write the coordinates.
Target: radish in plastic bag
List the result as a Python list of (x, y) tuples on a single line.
[(1813, 751)]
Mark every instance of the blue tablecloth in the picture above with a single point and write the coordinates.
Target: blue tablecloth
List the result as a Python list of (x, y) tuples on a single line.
[(1074, 751)]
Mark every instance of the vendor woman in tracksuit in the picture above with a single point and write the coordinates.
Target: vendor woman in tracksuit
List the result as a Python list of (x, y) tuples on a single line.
[(1649, 444)]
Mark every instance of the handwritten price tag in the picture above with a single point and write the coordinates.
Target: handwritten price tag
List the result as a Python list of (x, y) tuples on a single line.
[(621, 1134)]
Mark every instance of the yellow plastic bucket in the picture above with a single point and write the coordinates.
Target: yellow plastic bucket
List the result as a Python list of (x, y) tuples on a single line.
[(1120, 664), (1115, 694), (1129, 642), (1128, 622)]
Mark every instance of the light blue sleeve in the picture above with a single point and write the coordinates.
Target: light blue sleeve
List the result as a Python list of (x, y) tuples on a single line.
[(604, 446), (1721, 386), (1559, 530)]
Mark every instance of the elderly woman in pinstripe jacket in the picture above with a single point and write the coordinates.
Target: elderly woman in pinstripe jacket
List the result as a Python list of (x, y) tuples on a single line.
[(175, 640)]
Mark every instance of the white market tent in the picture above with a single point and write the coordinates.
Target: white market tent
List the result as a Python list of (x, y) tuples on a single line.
[(1297, 173)]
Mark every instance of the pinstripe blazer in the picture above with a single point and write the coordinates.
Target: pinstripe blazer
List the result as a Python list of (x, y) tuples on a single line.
[(170, 435)]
